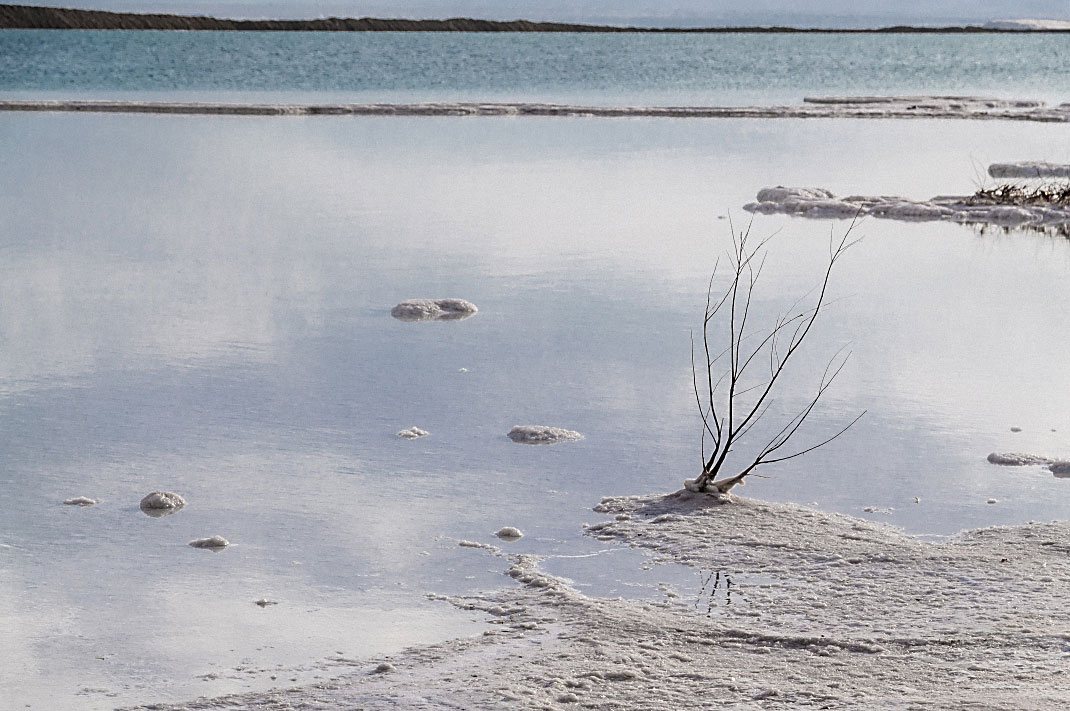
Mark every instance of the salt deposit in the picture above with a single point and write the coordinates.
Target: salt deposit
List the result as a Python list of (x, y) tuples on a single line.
[(1060, 468), (433, 310), (476, 544), (1027, 24), (820, 203), (843, 613), (541, 434), (1029, 169), (81, 501), (413, 433), (859, 107), (162, 503), (1017, 459), (212, 543), (508, 533)]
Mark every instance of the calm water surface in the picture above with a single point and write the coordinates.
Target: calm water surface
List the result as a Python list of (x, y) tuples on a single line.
[(202, 304)]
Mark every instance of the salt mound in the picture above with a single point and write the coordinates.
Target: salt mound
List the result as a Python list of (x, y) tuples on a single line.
[(1016, 459), (433, 310), (782, 194), (162, 503), (1029, 169), (540, 434), (1060, 468), (212, 543), (508, 533), (81, 501), (413, 433)]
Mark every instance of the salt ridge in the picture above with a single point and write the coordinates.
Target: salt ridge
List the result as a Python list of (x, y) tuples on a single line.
[(822, 204), (860, 107)]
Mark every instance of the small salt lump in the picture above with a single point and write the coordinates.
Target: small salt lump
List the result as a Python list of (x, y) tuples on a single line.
[(1016, 459), (413, 433), (541, 434), (1060, 468), (212, 543), (81, 501), (433, 310), (162, 503), (508, 533)]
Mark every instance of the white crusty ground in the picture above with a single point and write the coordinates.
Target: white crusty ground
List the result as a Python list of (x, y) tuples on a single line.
[(822, 204), (851, 614), (1029, 169), (856, 107)]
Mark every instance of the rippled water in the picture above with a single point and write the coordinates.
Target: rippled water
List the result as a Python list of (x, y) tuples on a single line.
[(610, 69)]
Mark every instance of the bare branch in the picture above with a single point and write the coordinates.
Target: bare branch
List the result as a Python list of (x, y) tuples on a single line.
[(725, 416)]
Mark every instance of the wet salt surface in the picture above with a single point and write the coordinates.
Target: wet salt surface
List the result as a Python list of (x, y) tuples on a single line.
[(1029, 169), (542, 434), (209, 352), (434, 310), (818, 203)]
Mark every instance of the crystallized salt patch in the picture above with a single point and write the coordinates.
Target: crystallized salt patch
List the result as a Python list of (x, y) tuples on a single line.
[(213, 543), (508, 533), (1016, 459), (433, 310), (541, 434), (820, 203)]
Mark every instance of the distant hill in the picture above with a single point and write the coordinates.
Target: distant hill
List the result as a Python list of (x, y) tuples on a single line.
[(51, 18)]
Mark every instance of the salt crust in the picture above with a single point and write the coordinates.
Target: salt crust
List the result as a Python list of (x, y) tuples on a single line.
[(1017, 459), (81, 501), (1029, 169), (541, 434), (213, 543), (1058, 467), (820, 203), (413, 433), (863, 107), (433, 310), (854, 615)]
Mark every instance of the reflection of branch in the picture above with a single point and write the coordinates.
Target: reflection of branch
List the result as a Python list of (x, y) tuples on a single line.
[(725, 417)]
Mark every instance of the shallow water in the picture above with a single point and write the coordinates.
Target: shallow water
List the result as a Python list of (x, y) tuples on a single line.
[(202, 305)]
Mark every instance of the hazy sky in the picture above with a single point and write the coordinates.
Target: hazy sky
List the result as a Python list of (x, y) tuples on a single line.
[(645, 12)]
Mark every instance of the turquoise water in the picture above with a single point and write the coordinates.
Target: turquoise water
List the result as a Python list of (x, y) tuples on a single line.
[(614, 69)]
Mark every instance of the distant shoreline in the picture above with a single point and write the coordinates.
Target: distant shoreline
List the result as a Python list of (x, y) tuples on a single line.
[(29, 17)]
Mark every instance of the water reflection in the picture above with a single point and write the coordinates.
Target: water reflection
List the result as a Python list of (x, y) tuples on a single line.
[(1054, 231), (201, 305)]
